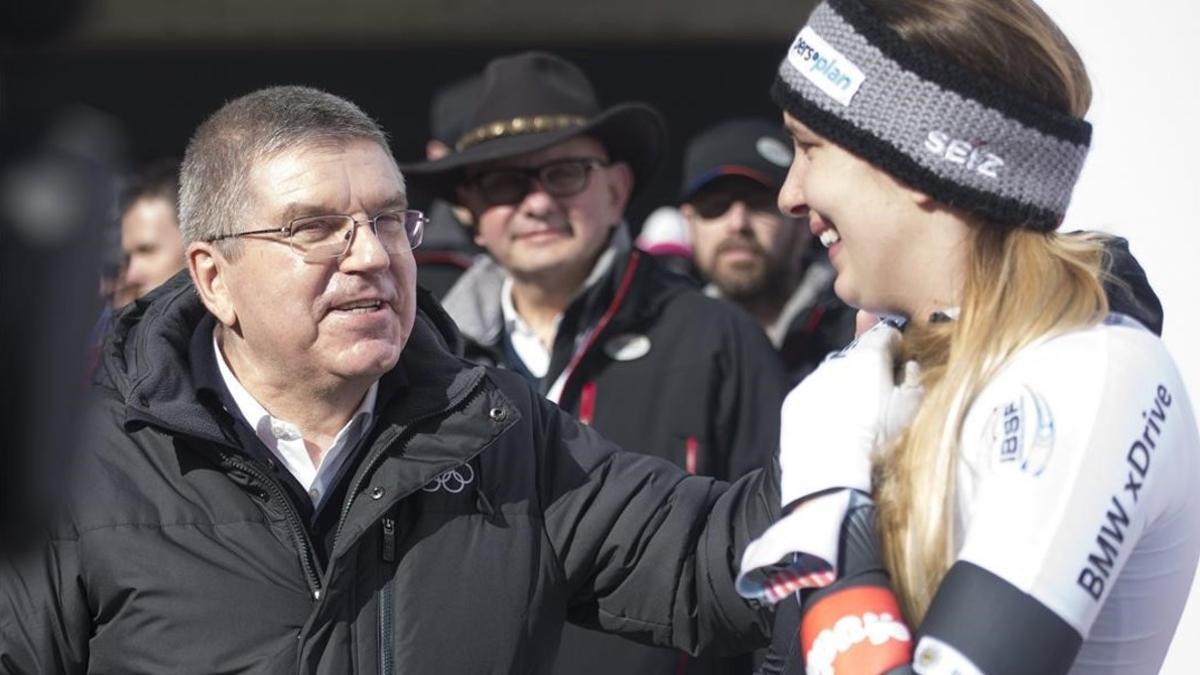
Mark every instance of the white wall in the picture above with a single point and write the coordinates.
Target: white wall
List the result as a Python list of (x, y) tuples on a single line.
[(1142, 178)]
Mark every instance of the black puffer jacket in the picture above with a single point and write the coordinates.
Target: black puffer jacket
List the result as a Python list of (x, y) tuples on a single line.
[(657, 367), (650, 362), (475, 514)]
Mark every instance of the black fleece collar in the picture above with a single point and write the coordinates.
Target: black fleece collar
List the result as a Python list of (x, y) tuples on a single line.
[(160, 361)]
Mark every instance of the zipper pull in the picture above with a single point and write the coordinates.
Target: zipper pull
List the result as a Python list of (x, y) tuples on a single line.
[(389, 539)]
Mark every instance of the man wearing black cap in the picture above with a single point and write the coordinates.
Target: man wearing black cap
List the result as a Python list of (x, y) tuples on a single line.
[(753, 255), (598, 326), (447, 250)]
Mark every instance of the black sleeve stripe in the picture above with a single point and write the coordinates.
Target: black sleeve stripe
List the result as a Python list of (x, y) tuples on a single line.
[(997, 626)]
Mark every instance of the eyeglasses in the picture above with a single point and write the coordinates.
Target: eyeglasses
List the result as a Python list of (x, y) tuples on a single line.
[(560, 178), (710, 204), (319, 238)]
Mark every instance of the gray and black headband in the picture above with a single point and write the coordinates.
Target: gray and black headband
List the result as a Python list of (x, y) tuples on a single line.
[(967, 141)]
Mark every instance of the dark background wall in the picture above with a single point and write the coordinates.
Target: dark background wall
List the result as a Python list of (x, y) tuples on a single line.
[(89, 88), (155, 69), (158, 96)]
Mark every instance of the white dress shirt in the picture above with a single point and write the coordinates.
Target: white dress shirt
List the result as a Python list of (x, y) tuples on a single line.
[(285, 441), (525, 342)]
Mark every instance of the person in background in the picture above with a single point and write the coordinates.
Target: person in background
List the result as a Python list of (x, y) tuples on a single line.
[(753, 255), (150, 238), (448, 250), (601, 328), (665, 236)]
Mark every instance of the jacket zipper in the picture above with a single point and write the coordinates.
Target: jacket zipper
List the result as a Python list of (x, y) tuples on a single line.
[(389, 540), (299, 532), (386, 658), (388, 553), (386, 593)]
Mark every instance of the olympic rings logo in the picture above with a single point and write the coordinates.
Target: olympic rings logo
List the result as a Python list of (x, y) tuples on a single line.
[(452, 481)]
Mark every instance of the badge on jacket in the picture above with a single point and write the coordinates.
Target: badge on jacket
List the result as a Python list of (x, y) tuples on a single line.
[(627, 347)]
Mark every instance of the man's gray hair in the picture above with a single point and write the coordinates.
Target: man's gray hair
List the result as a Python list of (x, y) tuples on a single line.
[(213, 192)]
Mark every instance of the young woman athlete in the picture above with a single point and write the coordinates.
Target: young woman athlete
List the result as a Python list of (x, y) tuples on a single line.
[(1022, 501)]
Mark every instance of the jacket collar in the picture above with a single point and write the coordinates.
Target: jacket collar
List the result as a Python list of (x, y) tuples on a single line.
[(817, 281), (814, 285), (475, 301), (149, 361)]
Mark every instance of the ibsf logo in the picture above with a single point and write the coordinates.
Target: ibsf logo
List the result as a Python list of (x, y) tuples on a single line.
[(1021, 432), (825, 66)]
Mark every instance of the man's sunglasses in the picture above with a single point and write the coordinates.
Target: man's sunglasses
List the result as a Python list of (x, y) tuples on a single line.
[(560, 178), (715, 201)]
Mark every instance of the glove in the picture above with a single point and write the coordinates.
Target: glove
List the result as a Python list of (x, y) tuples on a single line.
[(832, 422), (797, 552), (841, 413)]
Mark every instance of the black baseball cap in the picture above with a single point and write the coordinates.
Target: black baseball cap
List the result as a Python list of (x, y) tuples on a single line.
[(749, 147), (451, 108)]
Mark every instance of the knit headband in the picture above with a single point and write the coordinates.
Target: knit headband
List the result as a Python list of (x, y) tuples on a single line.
[(964, 140)]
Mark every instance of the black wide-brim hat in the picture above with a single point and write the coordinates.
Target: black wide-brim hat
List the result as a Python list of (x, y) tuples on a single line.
[(533, 100)]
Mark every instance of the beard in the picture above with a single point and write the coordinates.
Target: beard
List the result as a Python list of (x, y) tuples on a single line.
[(747, 278)]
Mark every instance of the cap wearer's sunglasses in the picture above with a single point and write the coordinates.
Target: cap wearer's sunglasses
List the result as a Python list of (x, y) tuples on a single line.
[(713, 202), (320, 238), (560, 178)]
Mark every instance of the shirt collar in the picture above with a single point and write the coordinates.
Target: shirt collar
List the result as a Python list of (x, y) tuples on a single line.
[(260, 419), (513, 323)]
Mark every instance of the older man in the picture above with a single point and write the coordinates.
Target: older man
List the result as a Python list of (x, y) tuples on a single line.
[(599, 327), (288, 471)]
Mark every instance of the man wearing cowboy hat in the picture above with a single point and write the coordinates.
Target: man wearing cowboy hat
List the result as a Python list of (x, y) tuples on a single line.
[(599, 327)]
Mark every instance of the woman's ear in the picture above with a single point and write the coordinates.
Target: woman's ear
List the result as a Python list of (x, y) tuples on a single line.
[(921, 199), (209, 270)]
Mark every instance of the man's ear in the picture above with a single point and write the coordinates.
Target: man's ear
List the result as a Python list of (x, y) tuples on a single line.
[(691, 218), (620, 185), (468, 200), (688, 212), (209, 270)]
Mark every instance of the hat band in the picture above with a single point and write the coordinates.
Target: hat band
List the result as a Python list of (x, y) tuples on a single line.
[(518, 126), (968, 142)]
